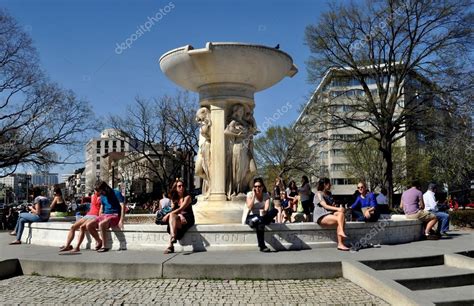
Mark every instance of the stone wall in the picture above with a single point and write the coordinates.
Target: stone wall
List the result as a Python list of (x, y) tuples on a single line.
[(294, 236)]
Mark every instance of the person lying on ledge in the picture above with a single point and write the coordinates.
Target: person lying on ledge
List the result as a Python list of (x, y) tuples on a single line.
[(81, 225), (181, 218), (365, 207)]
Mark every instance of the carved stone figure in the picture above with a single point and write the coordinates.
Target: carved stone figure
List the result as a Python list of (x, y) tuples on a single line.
[(240, 163), (203, 161)]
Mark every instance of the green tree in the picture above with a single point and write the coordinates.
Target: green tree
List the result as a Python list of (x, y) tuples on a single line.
[(283, 152), (393, 44)]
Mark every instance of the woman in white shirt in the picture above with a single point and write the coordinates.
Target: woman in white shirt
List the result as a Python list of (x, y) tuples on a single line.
[(260, 214)]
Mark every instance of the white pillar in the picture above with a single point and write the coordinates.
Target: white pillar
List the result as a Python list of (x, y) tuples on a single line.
[(218, 153)]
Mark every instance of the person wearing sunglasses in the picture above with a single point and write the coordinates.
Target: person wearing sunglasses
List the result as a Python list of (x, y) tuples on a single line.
[(181, 217), (365, 206), (260, 214)]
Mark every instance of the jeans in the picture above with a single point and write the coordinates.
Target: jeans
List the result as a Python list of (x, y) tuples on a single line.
[(360, 216), (22, 219), (443, 221), (260, 228)]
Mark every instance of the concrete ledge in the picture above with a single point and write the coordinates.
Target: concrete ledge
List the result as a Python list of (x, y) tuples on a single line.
[(295, 236), (380, 285), (459, 261), (307, 270), (91, 270)]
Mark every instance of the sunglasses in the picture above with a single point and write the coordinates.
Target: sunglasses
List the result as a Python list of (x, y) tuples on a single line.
[(257, 186), (360, 187), (179, 186)]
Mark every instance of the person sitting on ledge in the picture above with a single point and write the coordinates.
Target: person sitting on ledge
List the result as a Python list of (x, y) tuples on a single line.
[(113, 212), (365, 206), (58, 206), (81, 225), (181, 217), (39, 212), (327, 214), (413, 205), (260, 214), (431, 205)]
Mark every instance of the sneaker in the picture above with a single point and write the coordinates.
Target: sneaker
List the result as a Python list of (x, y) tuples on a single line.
[(432, 237), (444, 234), (265, 250)]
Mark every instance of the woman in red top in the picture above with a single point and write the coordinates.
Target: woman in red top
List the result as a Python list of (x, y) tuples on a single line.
[(81, 224)]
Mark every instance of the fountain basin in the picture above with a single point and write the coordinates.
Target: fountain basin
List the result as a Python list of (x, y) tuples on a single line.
[(256, 66)]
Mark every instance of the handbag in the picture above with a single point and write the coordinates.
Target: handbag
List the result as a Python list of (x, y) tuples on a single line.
[(160, 215), (299, 208)]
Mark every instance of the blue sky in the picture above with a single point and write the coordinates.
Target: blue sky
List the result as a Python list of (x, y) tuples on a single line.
[(76, 41)]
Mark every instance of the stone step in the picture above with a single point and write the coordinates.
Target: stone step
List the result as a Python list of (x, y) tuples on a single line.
[(467, 253), (404, 263), (436, 281), (460, 295), (424, 272)]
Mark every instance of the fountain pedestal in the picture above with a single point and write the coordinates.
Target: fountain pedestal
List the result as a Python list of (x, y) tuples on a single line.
[(226, 76)]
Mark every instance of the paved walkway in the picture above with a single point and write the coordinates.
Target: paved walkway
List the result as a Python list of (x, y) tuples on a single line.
[(49, 290), (224, 275)]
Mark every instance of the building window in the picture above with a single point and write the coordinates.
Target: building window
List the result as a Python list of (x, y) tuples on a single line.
[(106, 143), (97, 167), (343, 181), (98, 151), (114, 144), (98, 143), (106, 150), (340, 167), (98, 158), (337, 153)]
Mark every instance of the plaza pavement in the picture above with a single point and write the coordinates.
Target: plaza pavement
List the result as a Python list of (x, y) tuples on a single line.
[(391, 273)]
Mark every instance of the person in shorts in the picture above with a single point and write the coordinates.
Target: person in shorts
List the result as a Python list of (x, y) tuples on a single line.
[(81, 225), (113, 213), (413, 206)]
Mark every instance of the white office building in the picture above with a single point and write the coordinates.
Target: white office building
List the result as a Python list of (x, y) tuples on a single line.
[(96, 149)]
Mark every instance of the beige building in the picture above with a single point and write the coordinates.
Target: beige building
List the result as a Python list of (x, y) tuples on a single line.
[(342, 94), (96, 148)]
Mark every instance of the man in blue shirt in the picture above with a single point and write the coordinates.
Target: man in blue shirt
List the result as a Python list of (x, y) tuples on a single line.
[(365, 206)]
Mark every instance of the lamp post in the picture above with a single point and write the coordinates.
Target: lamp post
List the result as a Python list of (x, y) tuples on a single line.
[(19, 192), (28, 178)]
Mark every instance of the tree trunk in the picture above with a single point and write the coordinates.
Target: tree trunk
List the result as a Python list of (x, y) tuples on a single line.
[(387, 166)]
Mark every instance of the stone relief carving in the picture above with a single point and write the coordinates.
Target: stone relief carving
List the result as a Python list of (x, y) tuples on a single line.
[(203, 161), (240, 163)]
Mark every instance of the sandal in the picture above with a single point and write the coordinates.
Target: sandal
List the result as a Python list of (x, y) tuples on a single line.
[(169, 250), (12, 234), (103, 250), (15, 242), (173, 239), (65, 248)]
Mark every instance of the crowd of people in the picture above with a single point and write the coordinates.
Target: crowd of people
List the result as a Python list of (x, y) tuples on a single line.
[(281, 204)]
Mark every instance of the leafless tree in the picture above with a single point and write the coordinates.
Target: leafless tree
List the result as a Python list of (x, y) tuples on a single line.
[(417, 52), (162, 135), (37, 117)]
